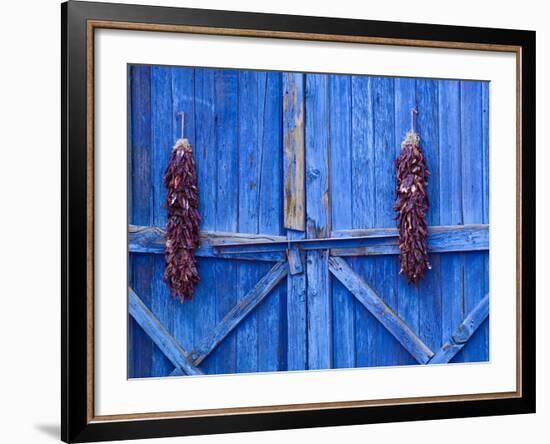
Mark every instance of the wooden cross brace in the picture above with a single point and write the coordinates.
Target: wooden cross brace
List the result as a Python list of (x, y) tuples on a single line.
[(187, 363)]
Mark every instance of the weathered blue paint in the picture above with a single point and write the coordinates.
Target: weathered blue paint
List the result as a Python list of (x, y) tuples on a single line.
[(430, 302), (205, 150), (367, 242), (385, 268), (167, 345), (255, 132), (463, 333), (362, 198), (380, 310), (294, 258), (343, 308), (226, 108), (139, 362), (183, 100), (407, 295), (250, 130), (452, 265), (473, 179), (260, 291), (162, 305), (318, 222), (271, 314), (293, 179)]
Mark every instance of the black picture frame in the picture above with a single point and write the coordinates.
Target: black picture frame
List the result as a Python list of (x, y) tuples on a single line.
[(76, 423)]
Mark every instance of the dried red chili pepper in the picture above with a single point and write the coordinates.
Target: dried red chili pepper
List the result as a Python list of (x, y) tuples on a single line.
[(411, 206), (182, 230)]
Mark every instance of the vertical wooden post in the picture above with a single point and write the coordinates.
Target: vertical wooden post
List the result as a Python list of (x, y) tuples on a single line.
[(294, 152), (183, 99), (140, 345), (343, 304), (205, 158), (430, 288), (225, 102), (407, 295), (472, 141), (293, 177), (271, 350), (450, 198), (385, 268), (363, 192), (318, 222), (250, 172), (162, 118)]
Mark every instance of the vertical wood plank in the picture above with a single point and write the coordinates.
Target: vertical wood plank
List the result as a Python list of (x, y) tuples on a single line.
[(408, 298), (429, 289), (130, 278), (140, 96), (318, 221), (294, 152), (205, 156), (452, 266), (226, 205), (343, 308), (386, 349), (183, 100), (162, 304), (250, 129), (272, 312), (485, 134), (362, 174), (293, 172), (472, 204), (486, 204)]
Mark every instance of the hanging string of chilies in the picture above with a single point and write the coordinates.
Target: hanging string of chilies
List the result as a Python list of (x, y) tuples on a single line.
[(411, 206), (182, 230)]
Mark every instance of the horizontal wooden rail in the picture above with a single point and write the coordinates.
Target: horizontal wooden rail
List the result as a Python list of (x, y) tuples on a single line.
[(367, 242), (376, 241), (441, 239), (159, 335), (380, 310), (239, 312), (146, 239), (463, 333)]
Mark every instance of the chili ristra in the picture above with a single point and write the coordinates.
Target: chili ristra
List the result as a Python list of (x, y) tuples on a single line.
[(411, 207), (182, 230)]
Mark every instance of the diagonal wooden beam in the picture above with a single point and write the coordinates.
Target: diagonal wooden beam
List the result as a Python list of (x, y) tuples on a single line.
[(159, 335), (380, 310), (463, 333), (177, 372), (239, 312)]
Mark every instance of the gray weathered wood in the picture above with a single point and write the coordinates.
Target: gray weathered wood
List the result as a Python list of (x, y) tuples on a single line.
[(378, 308), (239, 312), (159, 335), (462, 333), (293, 152)]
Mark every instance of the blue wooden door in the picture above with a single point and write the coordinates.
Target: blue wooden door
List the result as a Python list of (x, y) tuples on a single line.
[(298, 257)]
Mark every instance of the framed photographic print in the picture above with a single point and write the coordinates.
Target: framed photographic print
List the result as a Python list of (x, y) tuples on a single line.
[(277, 221)]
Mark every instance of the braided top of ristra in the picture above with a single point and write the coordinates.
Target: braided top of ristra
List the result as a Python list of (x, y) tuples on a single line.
[(411, 207), (182, 230)]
